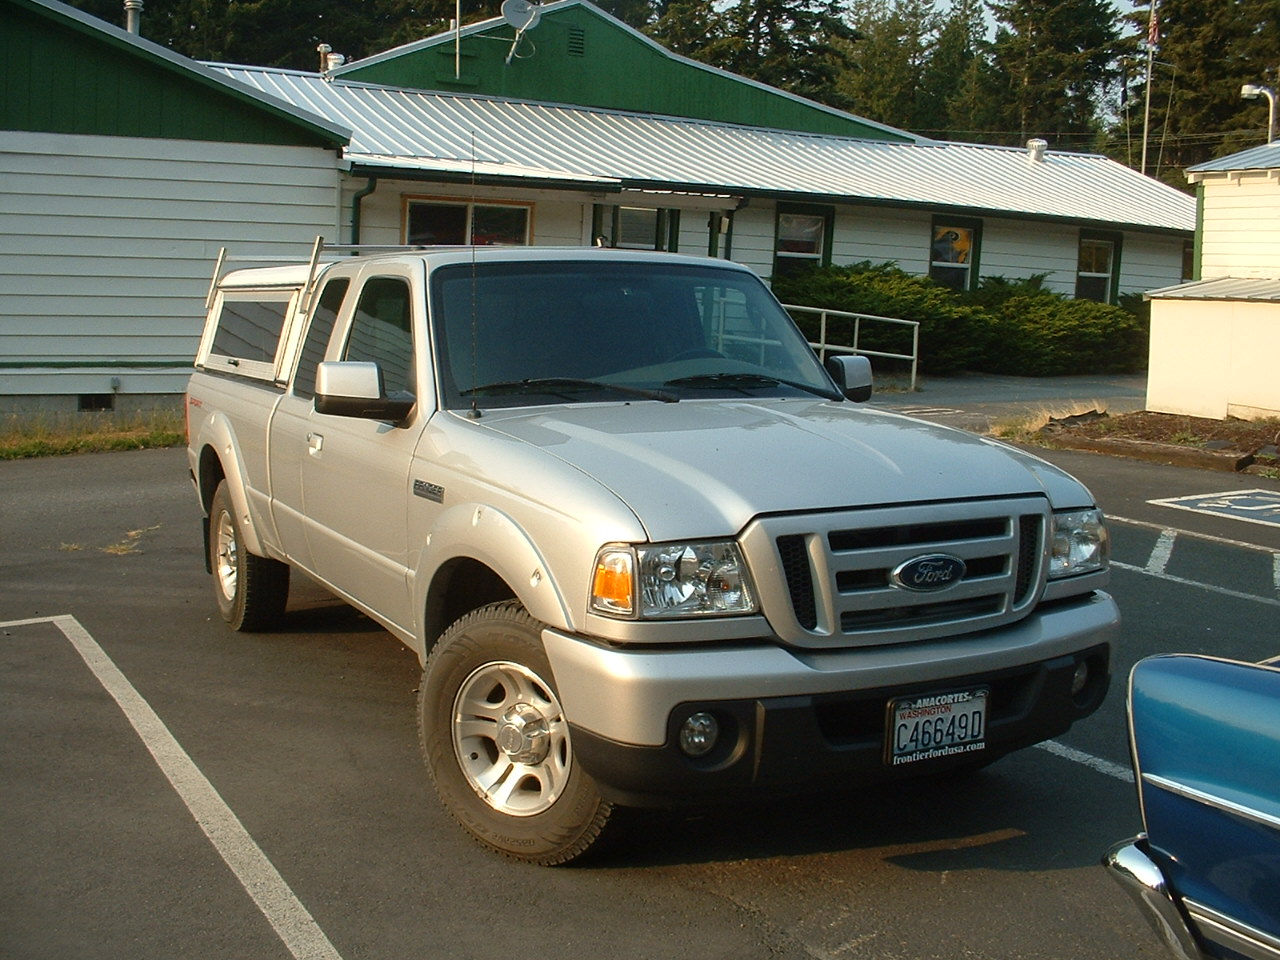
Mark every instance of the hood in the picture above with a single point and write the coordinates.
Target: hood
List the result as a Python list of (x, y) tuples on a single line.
[(705, 468)]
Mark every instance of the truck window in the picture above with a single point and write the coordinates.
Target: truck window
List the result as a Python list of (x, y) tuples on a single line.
[(247, 336), (381, 331), (317, 340)]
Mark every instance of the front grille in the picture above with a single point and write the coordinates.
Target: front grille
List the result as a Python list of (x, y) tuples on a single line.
[(835, 570)]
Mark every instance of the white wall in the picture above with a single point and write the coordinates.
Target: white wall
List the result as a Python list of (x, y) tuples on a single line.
[(1014, 249), (107, 245), (1214, 358), (1241, 226)]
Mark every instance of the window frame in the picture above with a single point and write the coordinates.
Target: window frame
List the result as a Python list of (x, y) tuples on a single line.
[(823, 257), (1113, 276), (972, 265), (606, 226), (469, 206), (257, 369)]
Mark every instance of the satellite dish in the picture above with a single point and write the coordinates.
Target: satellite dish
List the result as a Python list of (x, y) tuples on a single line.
[(521, 14)]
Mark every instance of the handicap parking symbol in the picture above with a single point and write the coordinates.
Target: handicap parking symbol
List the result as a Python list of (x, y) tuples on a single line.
[(1254, 506)]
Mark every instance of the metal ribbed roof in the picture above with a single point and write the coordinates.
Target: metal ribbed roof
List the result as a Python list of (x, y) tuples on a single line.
[(1221, 288), (416, 130), (1265, 157)]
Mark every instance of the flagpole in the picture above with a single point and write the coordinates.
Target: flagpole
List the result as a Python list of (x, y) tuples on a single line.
[(1153, 35)]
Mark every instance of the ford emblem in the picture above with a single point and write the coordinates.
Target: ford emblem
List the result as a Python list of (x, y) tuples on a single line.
[(935, 571)]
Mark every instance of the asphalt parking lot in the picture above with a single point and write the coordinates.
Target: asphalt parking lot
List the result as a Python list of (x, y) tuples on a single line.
[(168, 787)]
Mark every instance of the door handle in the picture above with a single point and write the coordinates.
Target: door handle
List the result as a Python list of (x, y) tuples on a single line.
[(315, 443)]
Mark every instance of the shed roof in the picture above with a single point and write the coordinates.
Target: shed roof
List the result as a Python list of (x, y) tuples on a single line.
[(449, 135), (1265, 157), (1221, 288)]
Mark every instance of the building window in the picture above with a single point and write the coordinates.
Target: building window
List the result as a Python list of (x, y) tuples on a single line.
[(440, 222), (635, 228), (953, 252), (1098, 271), (803, 239)]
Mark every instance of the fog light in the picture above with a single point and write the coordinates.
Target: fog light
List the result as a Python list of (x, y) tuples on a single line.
[(698, 735), (1080, 678)]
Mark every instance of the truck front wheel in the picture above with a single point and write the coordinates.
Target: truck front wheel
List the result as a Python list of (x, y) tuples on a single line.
[(251, 590), (496, 741)]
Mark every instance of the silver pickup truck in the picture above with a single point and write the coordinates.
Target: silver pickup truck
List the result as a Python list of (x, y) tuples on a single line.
[(649, 550)]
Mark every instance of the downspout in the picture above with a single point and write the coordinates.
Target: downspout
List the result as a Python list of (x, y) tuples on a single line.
[(371, 186)]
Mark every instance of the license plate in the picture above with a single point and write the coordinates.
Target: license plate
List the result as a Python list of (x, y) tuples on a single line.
[(936, 725)]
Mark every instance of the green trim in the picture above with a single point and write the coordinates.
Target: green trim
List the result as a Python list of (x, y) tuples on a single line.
[(1199, 237), (975, 251), (1116, 239), (828, 214)]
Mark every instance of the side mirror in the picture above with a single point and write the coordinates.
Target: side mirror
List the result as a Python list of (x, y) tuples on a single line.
[(354, 388), (852, 375)]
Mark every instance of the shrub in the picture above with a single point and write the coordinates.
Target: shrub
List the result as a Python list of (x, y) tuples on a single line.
[(953, 336), (1004, 326)]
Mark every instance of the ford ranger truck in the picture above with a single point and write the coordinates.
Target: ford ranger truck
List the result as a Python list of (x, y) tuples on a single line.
[(649, 550)]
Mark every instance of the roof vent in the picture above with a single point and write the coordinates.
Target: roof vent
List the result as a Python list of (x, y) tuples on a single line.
[(1036, 149), (133, 16), (577, 42)]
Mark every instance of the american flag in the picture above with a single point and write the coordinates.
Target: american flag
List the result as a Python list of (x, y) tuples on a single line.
[(1153, 28)]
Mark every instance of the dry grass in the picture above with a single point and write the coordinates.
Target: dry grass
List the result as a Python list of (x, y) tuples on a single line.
[(44, 435)]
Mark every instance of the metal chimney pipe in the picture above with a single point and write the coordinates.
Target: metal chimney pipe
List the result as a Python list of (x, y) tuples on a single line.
[(133, 16)]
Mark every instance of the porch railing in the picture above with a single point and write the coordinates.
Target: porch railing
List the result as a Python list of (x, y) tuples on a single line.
[(823, 347)]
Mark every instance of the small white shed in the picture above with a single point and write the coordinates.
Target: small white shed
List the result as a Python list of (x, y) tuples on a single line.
[(1215, 342)]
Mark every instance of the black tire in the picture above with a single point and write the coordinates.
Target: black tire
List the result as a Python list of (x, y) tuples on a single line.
[(251, 591), (488, 680)]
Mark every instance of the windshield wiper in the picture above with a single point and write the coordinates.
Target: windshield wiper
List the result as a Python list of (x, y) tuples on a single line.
[(745, 382), (564, 386)]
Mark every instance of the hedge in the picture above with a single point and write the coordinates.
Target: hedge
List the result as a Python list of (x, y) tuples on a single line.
[(1005, 326)]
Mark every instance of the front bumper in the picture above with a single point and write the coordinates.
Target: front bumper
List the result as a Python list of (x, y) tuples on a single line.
[(796, 719)]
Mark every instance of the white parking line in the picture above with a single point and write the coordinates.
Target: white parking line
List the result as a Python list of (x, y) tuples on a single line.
[(284, 911), (1160, 553), (1089, 760)]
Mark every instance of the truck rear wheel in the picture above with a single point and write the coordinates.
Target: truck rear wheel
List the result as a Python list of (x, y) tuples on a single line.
[(496, 741), (251, 590)]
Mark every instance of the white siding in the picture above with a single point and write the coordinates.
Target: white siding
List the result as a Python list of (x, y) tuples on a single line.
[(1149, 261), (753, 237), (1241, 226), (882, 234), (107, 245), (556, 218), (1214, 358)]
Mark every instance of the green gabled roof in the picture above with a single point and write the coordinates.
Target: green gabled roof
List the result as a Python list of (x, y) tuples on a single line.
[(578, 54), (64, 71)]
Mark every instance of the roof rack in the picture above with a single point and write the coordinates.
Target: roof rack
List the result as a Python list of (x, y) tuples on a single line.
[(222, 266)]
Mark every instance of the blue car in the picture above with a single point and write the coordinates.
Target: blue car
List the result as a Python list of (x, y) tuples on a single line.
[(1205, 736)]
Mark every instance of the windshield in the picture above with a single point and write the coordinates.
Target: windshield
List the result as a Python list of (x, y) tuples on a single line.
[(526, 333)]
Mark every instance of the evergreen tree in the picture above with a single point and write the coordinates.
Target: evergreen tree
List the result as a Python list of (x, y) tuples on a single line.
[(1203, 54), (1052, 60), (886, 77), (796, 45)]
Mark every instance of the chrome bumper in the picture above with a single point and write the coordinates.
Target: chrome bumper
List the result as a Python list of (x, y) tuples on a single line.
[(1130, 866)]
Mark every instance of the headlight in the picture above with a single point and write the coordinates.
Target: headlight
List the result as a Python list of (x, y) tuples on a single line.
[(672, 580), (1080, 543)]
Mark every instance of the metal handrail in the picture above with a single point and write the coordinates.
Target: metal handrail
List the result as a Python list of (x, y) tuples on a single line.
[(823, 347)]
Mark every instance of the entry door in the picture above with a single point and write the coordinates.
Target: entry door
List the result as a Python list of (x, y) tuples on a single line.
[(1207, 740), (356, 484)]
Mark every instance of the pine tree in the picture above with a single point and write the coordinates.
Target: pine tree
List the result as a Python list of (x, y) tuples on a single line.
[(1204, 53), (1052, 60)]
